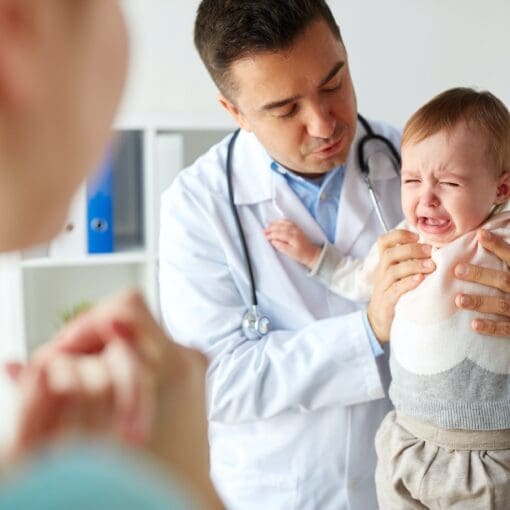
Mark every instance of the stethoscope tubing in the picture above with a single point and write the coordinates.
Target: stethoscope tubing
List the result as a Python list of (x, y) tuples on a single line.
[(240, 230), (365, 170), (370, 136)]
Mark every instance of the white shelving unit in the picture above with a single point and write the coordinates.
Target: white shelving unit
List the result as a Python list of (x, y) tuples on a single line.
[(39, 288)]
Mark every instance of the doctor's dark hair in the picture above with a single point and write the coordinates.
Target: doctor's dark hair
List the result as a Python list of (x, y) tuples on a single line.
[(485, 115), (229, 30)]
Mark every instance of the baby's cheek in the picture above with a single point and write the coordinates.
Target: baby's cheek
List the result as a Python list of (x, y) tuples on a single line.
[(409, 212)]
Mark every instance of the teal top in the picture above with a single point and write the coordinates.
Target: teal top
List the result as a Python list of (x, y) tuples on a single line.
[(91, 477)]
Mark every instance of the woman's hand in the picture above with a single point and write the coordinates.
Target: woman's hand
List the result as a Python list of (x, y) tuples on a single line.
[(402, 265), (499, 305), (121, 376), (104, 394)]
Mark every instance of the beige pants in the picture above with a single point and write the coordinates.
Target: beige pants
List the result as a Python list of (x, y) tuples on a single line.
[(423, 467)]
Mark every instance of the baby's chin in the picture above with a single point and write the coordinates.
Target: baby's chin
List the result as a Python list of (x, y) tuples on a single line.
[(439, 240), (434, 242)]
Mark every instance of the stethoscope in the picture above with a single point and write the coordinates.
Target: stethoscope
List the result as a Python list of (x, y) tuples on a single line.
[(254, 323)]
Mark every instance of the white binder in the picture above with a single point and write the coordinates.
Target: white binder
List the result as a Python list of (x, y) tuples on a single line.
[(72, 240)]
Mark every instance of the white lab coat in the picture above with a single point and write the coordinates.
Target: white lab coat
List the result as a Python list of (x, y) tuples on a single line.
[(293, 415)]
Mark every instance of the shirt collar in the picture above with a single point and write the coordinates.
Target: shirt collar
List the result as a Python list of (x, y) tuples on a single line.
[(315, 184)]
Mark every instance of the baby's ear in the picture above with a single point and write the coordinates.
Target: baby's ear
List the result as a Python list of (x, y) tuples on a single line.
[(503, 189)]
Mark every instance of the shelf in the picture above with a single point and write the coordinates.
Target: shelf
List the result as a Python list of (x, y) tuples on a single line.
[(46, 281), (138, 257), (178, 121)]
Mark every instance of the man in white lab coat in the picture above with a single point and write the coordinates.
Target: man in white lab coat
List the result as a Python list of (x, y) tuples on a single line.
[(292, 414)]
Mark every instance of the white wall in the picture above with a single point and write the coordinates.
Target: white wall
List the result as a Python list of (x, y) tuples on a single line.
[(406, 51), (166, 74), (402, 52)]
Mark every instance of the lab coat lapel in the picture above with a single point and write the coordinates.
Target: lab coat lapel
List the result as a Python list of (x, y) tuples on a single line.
[(251, 164), (290, 207), (355, 205), (287, 205), (255, 184), (251, 172)]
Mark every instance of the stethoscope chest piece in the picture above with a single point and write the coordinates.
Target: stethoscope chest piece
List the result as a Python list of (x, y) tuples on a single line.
[(254, 324)]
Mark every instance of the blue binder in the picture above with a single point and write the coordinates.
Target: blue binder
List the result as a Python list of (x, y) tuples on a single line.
[(100, 208)]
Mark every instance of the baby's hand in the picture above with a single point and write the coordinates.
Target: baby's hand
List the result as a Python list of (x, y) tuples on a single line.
[(289, 239)]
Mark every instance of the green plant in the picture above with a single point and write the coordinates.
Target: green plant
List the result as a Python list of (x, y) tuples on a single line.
[(70, 313)]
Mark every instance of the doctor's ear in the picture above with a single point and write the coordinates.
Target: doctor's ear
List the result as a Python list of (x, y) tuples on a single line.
[(234, 111), (503, 189)]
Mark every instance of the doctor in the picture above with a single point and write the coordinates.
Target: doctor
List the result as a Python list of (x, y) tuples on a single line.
[(293, 413)]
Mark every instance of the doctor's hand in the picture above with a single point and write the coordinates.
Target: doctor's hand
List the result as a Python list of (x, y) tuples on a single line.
[(499, 305), (402, 265), (290, 240), (163, 387)]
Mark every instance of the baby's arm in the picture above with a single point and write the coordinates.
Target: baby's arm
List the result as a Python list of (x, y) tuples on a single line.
[(289, 239), (343, 275)]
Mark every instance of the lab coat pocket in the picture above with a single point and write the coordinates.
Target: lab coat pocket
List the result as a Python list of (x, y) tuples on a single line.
[(253, 490)]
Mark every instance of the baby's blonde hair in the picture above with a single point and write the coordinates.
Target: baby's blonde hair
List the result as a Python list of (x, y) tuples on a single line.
[(482, 111)]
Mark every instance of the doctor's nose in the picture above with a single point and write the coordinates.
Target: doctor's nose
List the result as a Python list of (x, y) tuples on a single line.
[(320, 122)]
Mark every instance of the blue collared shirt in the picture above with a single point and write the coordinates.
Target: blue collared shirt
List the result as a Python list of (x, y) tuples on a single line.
[(321, 196)]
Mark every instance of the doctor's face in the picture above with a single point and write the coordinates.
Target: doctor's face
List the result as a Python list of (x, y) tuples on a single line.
[(300, 103), (62, 70)]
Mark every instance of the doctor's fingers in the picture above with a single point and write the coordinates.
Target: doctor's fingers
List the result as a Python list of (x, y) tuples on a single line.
[(490, 277), (498, 305), (402, 253), (381, 307), (495, 244), (395, 238), (408, 268), (487, 304), (491, 328)]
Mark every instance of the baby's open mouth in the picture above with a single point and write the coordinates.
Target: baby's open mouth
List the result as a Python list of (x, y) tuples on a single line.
[(433, 225)]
